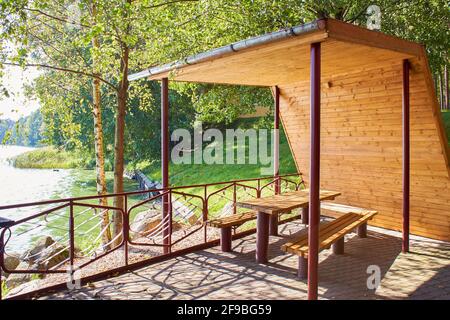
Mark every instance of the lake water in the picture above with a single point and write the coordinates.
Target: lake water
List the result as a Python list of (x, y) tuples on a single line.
[(31, 185), (28, 185)]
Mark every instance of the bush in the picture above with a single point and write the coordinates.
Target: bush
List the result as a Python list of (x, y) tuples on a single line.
[(46, 158)]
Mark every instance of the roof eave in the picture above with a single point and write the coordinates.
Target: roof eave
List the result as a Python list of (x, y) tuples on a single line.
[(232, 48)]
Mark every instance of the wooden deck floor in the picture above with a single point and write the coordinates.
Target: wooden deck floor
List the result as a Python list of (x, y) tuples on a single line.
[(210, 274)]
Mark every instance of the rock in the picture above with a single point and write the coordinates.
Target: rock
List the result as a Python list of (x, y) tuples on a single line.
[(37, 247), (144, 223), (30, 285), (184, 214), (147, 222), (16, 279), (45, 253), (11, 261), (51, 256)]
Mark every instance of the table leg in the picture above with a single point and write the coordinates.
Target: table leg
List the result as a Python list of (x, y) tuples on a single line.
[(305, 215), (225, 239), (362, 231), (262, 237), (273, 225)]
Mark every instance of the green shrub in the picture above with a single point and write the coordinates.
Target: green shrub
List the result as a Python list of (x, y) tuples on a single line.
[(46, 158)]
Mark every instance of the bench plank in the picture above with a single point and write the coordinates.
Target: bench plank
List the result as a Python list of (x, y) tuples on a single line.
[(329, 232), (343, 208), (232, 220)]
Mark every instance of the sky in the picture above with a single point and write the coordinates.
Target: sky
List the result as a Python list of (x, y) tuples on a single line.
[(17, 105)]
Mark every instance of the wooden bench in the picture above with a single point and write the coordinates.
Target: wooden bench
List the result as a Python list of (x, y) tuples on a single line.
[(227, 223), (331, 234)]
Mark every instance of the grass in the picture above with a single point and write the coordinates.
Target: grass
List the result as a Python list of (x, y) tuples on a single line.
[(187, 174), (4, 288), (46, 158), (190, 174)]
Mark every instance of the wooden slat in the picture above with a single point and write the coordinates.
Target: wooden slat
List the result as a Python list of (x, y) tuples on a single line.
[(285, 62), (284, 202), (361, 144), (233, 220), (330, 232)]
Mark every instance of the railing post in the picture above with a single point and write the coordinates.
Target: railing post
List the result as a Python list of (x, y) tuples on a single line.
[(165, 155), (406, 155), (170, 208), (1, 262), (234, 203), (126, 229), (234, 198), (71, 240), (314, 173), (205, 213)]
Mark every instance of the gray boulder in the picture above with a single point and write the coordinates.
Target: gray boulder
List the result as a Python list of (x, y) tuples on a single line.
[(16, 279), (51, 256), (37, 247), (45, 253), (147, 222), (144, 223), (11, 261)]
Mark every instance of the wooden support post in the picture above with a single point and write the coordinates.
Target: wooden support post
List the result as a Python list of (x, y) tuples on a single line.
[(273, 229), (338, 246), (225, 239), (362, 230), (302, 272), (406, 156), (262, 237), (314, 165), (165, 157), (305, 215)]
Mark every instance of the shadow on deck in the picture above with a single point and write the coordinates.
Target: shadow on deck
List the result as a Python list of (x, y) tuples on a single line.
[(211, 274)]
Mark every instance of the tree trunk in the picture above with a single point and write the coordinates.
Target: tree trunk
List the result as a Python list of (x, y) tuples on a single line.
[(441, 91), (447, 107), (122, 96), (98, 145)]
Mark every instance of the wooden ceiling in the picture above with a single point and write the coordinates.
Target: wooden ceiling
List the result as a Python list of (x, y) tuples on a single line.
[(345, 49)]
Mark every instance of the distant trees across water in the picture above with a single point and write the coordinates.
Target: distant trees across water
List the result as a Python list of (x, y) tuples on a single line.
[(27, 131)]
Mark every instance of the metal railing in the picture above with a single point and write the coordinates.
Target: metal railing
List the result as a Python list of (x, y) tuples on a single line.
[(75, 228)]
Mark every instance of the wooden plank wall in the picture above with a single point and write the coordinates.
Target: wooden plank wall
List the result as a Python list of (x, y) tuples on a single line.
[(361, 145)]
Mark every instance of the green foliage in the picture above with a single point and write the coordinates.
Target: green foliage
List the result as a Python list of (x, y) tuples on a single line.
[(186, 174), (27, 131), (159, 32), (446, 118), (4, 288), (47, 158)]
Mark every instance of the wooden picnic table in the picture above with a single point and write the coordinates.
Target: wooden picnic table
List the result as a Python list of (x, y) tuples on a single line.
[(274, 205)]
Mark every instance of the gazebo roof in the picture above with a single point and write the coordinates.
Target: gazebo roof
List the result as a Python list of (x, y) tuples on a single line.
[(282, 57), (361, 102)]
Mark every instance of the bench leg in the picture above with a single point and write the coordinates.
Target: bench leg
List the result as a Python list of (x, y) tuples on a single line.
[(302, 272), (305, 215), (273, 225), (362, 231), (338, 246), (225, 239)]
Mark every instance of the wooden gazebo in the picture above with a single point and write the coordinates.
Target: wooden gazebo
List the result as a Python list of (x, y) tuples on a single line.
[(360, 114)]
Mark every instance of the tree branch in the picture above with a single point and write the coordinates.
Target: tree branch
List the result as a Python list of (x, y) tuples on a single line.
[(56, 18), (87, 74), (168, 3)]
